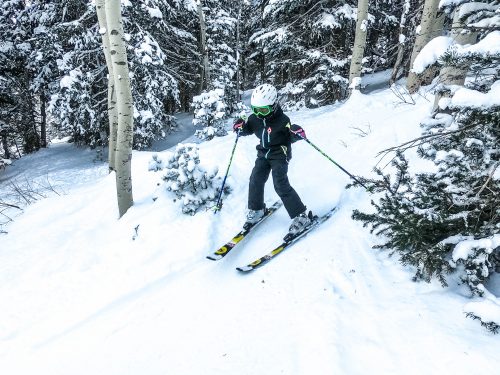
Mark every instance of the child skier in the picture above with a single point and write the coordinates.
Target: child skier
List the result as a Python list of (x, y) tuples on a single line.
[(276, 134)]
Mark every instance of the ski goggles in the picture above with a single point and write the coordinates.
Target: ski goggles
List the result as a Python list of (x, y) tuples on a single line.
[(263, 111)]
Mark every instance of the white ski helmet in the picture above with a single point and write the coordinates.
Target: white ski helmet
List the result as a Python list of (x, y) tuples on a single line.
[(263, 95)]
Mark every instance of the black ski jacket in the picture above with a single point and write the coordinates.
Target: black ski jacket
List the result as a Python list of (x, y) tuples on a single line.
[(274, 134)]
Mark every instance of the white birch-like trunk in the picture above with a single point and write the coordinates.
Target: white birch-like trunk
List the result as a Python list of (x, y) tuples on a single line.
[(401, 42), (427, 76), (124, 104), (358, 49), (423, 37), (205, 76), (451, 75), (112, 112)]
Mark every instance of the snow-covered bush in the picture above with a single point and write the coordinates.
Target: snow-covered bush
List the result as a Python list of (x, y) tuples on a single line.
[(193, 185), (210, 111)]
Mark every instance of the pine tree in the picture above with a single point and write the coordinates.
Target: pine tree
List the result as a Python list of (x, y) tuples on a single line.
[(157, 47), (449, 219), (219, 98), (304, 47), (161, 53), (17, 102), (78, 94)]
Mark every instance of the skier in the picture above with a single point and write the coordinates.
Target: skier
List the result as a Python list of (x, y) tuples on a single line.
[(276, 134)]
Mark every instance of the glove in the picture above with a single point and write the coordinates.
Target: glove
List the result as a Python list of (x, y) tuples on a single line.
[(298, 131), (238, 124)]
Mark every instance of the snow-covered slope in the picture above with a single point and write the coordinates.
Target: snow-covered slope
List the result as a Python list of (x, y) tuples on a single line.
[(81, 296)]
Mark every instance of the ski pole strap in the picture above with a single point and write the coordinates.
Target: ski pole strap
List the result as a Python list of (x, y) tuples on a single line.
[(218, 205), (334, 162)]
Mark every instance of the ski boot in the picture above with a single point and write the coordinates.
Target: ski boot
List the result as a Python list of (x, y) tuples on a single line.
[(299, 224), (254, 216)]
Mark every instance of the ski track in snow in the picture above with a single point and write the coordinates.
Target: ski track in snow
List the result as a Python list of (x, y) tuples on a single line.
[(81, 297)]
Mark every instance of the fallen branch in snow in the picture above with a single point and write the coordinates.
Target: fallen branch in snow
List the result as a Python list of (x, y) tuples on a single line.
[(4, 206), (402, 94), (361, 132), (23, 194)]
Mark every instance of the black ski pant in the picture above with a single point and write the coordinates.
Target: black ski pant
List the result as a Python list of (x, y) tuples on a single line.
[(258, 178)]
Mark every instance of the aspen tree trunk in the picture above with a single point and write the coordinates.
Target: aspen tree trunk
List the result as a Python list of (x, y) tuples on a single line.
[(423, 37), (402, 39), (112, 112), (451, 75), (205, 76), (437, 30), (124, 103), (359, 41)]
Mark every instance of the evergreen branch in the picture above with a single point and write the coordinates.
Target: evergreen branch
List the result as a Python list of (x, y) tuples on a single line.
[(421, 140)]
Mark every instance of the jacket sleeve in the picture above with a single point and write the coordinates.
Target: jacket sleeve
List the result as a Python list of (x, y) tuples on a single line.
[(247, 128)]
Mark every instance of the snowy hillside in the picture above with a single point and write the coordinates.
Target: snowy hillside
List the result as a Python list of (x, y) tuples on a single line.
[(80, 295)]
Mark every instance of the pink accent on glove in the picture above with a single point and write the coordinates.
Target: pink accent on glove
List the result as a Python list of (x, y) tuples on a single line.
[(238, 124), (297, 130)]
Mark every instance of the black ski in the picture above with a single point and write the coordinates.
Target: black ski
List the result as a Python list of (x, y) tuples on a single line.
[(287, 242), (224, 250)]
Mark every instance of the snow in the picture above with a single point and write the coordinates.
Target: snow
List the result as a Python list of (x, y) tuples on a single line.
[(490, 22), (155, 13), (468, 8), (448, 3), (489, 46), (431, 52), (364, 25), (68, 81), (85, 293), (476, 99), (496, 174), (436, 48), (279, 35), (488, 310), (327, 20), (466, 247)]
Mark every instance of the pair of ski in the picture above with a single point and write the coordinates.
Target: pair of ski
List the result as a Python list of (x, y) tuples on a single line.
[(287, 241)]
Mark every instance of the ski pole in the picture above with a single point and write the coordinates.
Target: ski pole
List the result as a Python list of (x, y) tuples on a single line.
[(333, 161), (218, 205)]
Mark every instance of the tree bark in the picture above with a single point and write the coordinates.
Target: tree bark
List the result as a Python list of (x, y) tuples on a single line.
[(112, 112), (358, 49), (423, 37), (402, 39), (429, 74), (451, 75), (124, 103)]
